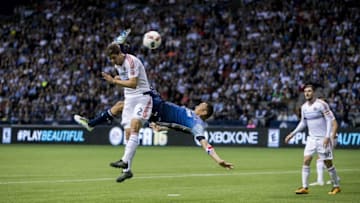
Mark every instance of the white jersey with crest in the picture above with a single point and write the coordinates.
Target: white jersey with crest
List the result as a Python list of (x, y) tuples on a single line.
[(132, 67), (317, 117)]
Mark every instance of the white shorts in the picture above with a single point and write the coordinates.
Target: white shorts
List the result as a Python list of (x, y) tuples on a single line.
[(316, 144), (138, 107)]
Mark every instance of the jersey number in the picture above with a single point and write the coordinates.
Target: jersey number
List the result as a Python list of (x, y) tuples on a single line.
[(139, 112)]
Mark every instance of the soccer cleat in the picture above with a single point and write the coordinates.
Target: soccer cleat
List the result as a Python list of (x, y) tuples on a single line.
[(302, 190), (317, 184), (119, 164), (334, 191), (122, 37), (83, 122), (124, 176)]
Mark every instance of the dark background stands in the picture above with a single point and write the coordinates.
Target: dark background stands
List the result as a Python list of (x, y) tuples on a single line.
[(249, 58)]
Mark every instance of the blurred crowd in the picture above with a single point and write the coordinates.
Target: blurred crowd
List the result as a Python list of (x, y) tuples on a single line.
[(249, 58)]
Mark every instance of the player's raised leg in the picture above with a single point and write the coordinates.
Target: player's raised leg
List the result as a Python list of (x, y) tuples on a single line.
[(84, 122), (105, 116)]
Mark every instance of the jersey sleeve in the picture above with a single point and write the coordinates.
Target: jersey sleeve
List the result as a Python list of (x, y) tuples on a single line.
[(198, 130), (302, 123), (329, 117)]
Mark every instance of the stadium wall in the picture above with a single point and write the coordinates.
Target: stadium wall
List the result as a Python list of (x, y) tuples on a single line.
[(348, 138)]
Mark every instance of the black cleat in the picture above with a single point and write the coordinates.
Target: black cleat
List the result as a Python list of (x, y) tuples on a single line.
[(124, 176), (119, 164)]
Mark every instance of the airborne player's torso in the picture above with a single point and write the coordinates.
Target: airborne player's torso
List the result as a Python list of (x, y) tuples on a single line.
[(132, 67), (168, 112)]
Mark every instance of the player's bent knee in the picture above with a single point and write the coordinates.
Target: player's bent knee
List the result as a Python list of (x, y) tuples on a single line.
[(307, 160), (328, 163), (117, 108)]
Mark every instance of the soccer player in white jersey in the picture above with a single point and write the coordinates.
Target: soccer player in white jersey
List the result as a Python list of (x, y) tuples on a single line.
[(317, 117), (137, 104)]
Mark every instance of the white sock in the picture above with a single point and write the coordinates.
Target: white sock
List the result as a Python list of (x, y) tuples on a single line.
[(320, 170), (129, 167), (130, 150), (305, 176), (333, 176)]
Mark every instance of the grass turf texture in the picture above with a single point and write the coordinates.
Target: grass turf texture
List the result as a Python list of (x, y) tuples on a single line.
[(79, 173)]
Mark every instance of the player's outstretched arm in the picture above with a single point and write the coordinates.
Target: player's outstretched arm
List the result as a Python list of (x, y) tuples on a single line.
[(204, 143), (288, 137), (211, 151)]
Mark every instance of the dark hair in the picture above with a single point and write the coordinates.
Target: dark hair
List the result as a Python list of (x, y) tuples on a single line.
[(313, 85), (113, 49), (310, 86), (209, 109)]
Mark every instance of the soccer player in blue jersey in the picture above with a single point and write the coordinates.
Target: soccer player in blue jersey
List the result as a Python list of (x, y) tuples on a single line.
[(169, 115)]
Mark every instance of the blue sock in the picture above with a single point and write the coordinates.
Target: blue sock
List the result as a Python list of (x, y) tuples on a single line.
[(104, 116)]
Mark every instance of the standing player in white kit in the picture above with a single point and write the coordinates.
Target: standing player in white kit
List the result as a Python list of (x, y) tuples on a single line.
[(317, 116)]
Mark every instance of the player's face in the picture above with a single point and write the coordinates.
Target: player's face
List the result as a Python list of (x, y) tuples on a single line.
[(308, 93), (201, 109), (117, 59)]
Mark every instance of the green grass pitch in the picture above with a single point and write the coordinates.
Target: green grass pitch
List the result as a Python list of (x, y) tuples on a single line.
[(79, 173)]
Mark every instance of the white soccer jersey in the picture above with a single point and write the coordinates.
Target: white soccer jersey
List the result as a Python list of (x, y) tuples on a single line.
[(133, 67), (317, 117)]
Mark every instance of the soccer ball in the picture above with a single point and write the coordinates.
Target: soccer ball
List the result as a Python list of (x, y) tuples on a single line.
[(152, 40)]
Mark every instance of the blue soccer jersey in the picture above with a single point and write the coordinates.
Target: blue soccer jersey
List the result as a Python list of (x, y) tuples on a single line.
[(168, 112)]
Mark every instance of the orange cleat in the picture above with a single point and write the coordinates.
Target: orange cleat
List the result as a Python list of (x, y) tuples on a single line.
[(334, 191), (302, 191)]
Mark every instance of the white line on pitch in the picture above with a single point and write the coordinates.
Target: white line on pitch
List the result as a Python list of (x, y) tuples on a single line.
[(162, 177)]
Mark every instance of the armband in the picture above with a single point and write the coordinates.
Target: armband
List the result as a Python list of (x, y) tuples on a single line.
[(199, 138), (209, 149)]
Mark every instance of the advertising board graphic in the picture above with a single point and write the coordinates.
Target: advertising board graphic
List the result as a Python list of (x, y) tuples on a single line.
[(115, 135)]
